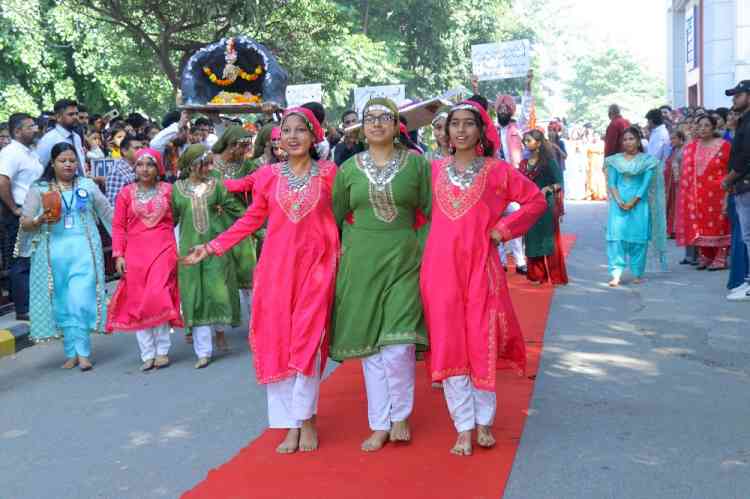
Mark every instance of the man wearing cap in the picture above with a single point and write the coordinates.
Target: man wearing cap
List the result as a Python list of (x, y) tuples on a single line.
[(738, 179)]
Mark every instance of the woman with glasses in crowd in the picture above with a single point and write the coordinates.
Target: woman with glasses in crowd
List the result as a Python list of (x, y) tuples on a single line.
[(378, 310)]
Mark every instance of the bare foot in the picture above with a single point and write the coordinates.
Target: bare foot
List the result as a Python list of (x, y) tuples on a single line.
[(637, 280), (375, 442), (189, 339), (400, 431), (70, 363), (221, 342), (148, 365), (308, 437), (85, 363), (463, 444), (484, 436), (614, 283), (290, 444)]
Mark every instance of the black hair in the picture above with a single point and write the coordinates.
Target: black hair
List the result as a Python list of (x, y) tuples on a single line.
[(48, 174), (317, 109), (655, 117), (82, 108), (202, 122), (680, 135), (15, 121), (4, 126), (665, 106), (709, 118), (723, 112), (125, 143), (481, 100), (170, 118), (93, 118), (635, 132), (135, 120), (487, 146), (64, 104), (546, 153), (347, 113)]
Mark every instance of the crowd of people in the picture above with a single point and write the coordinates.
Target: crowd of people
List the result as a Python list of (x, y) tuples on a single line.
[(340, 243), (358, 242), (684, 176)]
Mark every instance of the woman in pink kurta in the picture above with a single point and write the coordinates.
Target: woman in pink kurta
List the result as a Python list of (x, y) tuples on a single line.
[(147, 299), (467, 306), (294, 279)]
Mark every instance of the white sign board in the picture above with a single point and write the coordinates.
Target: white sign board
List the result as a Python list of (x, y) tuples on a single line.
[(397, 93), (498, 61), (296, 95)]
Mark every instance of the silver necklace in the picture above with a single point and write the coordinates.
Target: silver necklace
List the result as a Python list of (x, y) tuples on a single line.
[(381, 177), (228, 169), (296, 183), (143, 195), (464, 179)]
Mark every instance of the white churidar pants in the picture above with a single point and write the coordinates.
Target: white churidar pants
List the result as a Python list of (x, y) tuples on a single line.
[(467, 405), (203, 342), (515, 245), (294, 399), (153, 341), (389, 381)]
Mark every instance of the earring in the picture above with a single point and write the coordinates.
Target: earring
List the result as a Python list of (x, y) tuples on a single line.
[(479, 149)]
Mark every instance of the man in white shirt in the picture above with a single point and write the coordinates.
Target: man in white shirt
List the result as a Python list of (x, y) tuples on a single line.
[(66, 114), (19, 168), (659, 143)]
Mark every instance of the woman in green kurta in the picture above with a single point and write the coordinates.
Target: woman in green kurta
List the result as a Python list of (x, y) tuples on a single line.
[(229, 163), (542, 241), (208, 292), (378, 310)]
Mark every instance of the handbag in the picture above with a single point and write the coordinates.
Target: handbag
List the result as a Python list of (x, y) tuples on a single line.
[(52, 205)]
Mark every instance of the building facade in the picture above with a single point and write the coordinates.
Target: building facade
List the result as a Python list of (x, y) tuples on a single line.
[(708, 44)]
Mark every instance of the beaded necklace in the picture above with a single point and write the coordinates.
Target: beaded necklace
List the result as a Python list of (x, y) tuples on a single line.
[(296, 183), (464, 179), (380, 178)]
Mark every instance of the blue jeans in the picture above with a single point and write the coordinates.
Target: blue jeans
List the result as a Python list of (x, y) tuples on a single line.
[(742, 205)]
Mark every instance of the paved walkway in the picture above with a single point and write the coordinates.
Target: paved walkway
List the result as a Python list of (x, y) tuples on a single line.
[(643, 391)]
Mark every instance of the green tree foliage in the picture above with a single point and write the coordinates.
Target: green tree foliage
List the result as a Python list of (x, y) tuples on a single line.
[(128, 54), (611, 77)]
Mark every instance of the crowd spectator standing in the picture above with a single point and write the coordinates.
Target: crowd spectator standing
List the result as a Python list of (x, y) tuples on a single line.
[(615, 131), (65, 130), (19, 168), (738, 179)]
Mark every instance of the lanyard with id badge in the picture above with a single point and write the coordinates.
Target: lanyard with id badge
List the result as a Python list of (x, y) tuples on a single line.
[(76, 194)]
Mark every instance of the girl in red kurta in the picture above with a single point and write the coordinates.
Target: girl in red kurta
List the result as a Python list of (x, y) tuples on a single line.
[(147, 299), (470, 317), (705, 223), (294, 279)]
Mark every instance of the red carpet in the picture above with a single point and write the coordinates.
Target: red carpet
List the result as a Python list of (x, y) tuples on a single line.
[(422, 469)]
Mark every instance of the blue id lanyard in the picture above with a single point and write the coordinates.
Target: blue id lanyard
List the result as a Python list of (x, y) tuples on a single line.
[(68, 218)]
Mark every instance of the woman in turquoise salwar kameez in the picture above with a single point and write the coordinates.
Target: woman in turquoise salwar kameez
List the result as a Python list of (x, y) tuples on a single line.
[(67, 288), (635, 207)]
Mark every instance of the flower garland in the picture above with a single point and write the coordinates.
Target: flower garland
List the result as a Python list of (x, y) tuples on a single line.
[(228, 81)]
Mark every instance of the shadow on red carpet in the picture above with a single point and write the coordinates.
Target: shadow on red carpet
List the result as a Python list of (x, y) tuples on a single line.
[(422, 469)]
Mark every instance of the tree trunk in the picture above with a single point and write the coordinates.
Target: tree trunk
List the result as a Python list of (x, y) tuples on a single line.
[(365, 16)]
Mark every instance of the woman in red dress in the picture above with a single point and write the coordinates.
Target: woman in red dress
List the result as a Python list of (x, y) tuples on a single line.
[(294, 280), (147, 299), (705, 224), (467, 306)]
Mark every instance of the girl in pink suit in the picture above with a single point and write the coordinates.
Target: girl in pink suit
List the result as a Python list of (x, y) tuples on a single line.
[(147, 299), (470, 317), (295, 278)]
